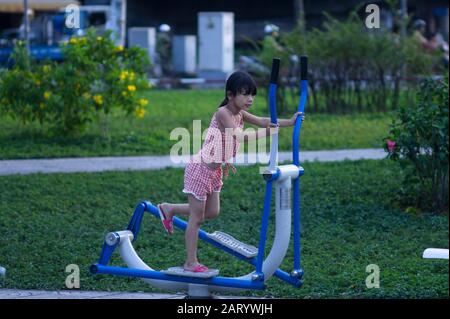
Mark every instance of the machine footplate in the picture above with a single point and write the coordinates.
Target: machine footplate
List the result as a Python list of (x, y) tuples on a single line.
[(179, 271), (234, 244)]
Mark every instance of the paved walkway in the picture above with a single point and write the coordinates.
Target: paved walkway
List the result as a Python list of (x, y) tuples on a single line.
[(77, 294), (99, 164)]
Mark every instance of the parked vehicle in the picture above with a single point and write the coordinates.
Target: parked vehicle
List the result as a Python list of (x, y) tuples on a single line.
[(49, 29)]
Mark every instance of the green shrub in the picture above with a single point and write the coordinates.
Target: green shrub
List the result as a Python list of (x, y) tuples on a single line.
[(352, 68), (419, 141), (95, 78), (20, 94)]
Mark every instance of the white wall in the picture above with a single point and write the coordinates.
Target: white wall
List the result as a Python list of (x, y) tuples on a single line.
[(144, 38), (216, 42), (184, 53)]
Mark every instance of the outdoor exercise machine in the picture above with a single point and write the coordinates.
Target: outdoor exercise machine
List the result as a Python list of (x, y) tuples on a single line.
[(202, 284)]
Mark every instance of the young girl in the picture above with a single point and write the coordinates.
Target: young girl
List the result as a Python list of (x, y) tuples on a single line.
[(203, 174)]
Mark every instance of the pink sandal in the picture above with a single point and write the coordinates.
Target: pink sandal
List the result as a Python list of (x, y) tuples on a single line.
[(167, 223), (196, 268)]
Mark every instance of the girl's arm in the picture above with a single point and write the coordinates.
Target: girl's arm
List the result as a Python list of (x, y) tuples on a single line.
[(265, 121), (225, 119), (255, 120)]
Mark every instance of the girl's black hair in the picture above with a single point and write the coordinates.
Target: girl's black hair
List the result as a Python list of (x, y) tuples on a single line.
[(239, 82)]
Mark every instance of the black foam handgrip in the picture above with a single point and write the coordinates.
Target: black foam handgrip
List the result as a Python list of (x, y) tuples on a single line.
[(275, 70), (304, 67)]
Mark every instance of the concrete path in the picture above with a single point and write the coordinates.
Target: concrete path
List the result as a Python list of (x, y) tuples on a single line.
[(99, 164), (77, 294)]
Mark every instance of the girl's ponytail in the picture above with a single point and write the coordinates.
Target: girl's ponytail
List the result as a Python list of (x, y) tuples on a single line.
[(224, 102)]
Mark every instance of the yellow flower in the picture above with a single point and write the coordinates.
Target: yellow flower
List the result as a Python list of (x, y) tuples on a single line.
[(99, 38), (47, 95), (143, 102), (73, 40), (123, 75), (118, 48), (131, 88), (140, 112), (98, 99)]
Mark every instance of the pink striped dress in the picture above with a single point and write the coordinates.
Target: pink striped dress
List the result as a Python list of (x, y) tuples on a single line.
[(199, 179)]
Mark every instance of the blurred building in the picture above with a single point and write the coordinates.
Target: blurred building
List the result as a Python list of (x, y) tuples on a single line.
[(137, 22), (252, 15)]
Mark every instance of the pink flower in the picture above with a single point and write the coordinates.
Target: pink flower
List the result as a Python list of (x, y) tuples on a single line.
[(391, 145)]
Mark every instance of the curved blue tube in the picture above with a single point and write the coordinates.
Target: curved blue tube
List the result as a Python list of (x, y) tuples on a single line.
[(298, 122), (273, 103), (273, 112), (264, 225), (153, 274), (296, 161), (273, 90)]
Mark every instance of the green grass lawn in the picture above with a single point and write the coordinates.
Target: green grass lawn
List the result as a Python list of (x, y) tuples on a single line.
[(172, 109), (50, 221)]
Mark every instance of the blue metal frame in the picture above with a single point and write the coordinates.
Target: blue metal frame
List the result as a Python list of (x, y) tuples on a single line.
[(263, 231), (273, 90), (273, 103), (257, 282), (106, 253), (153, 274), (298, 122), (102, 268), (136, 220), (298, 271), (268, 193)]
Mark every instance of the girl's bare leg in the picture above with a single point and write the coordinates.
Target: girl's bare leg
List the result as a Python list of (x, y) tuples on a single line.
[(212, 206), (197, 211)]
